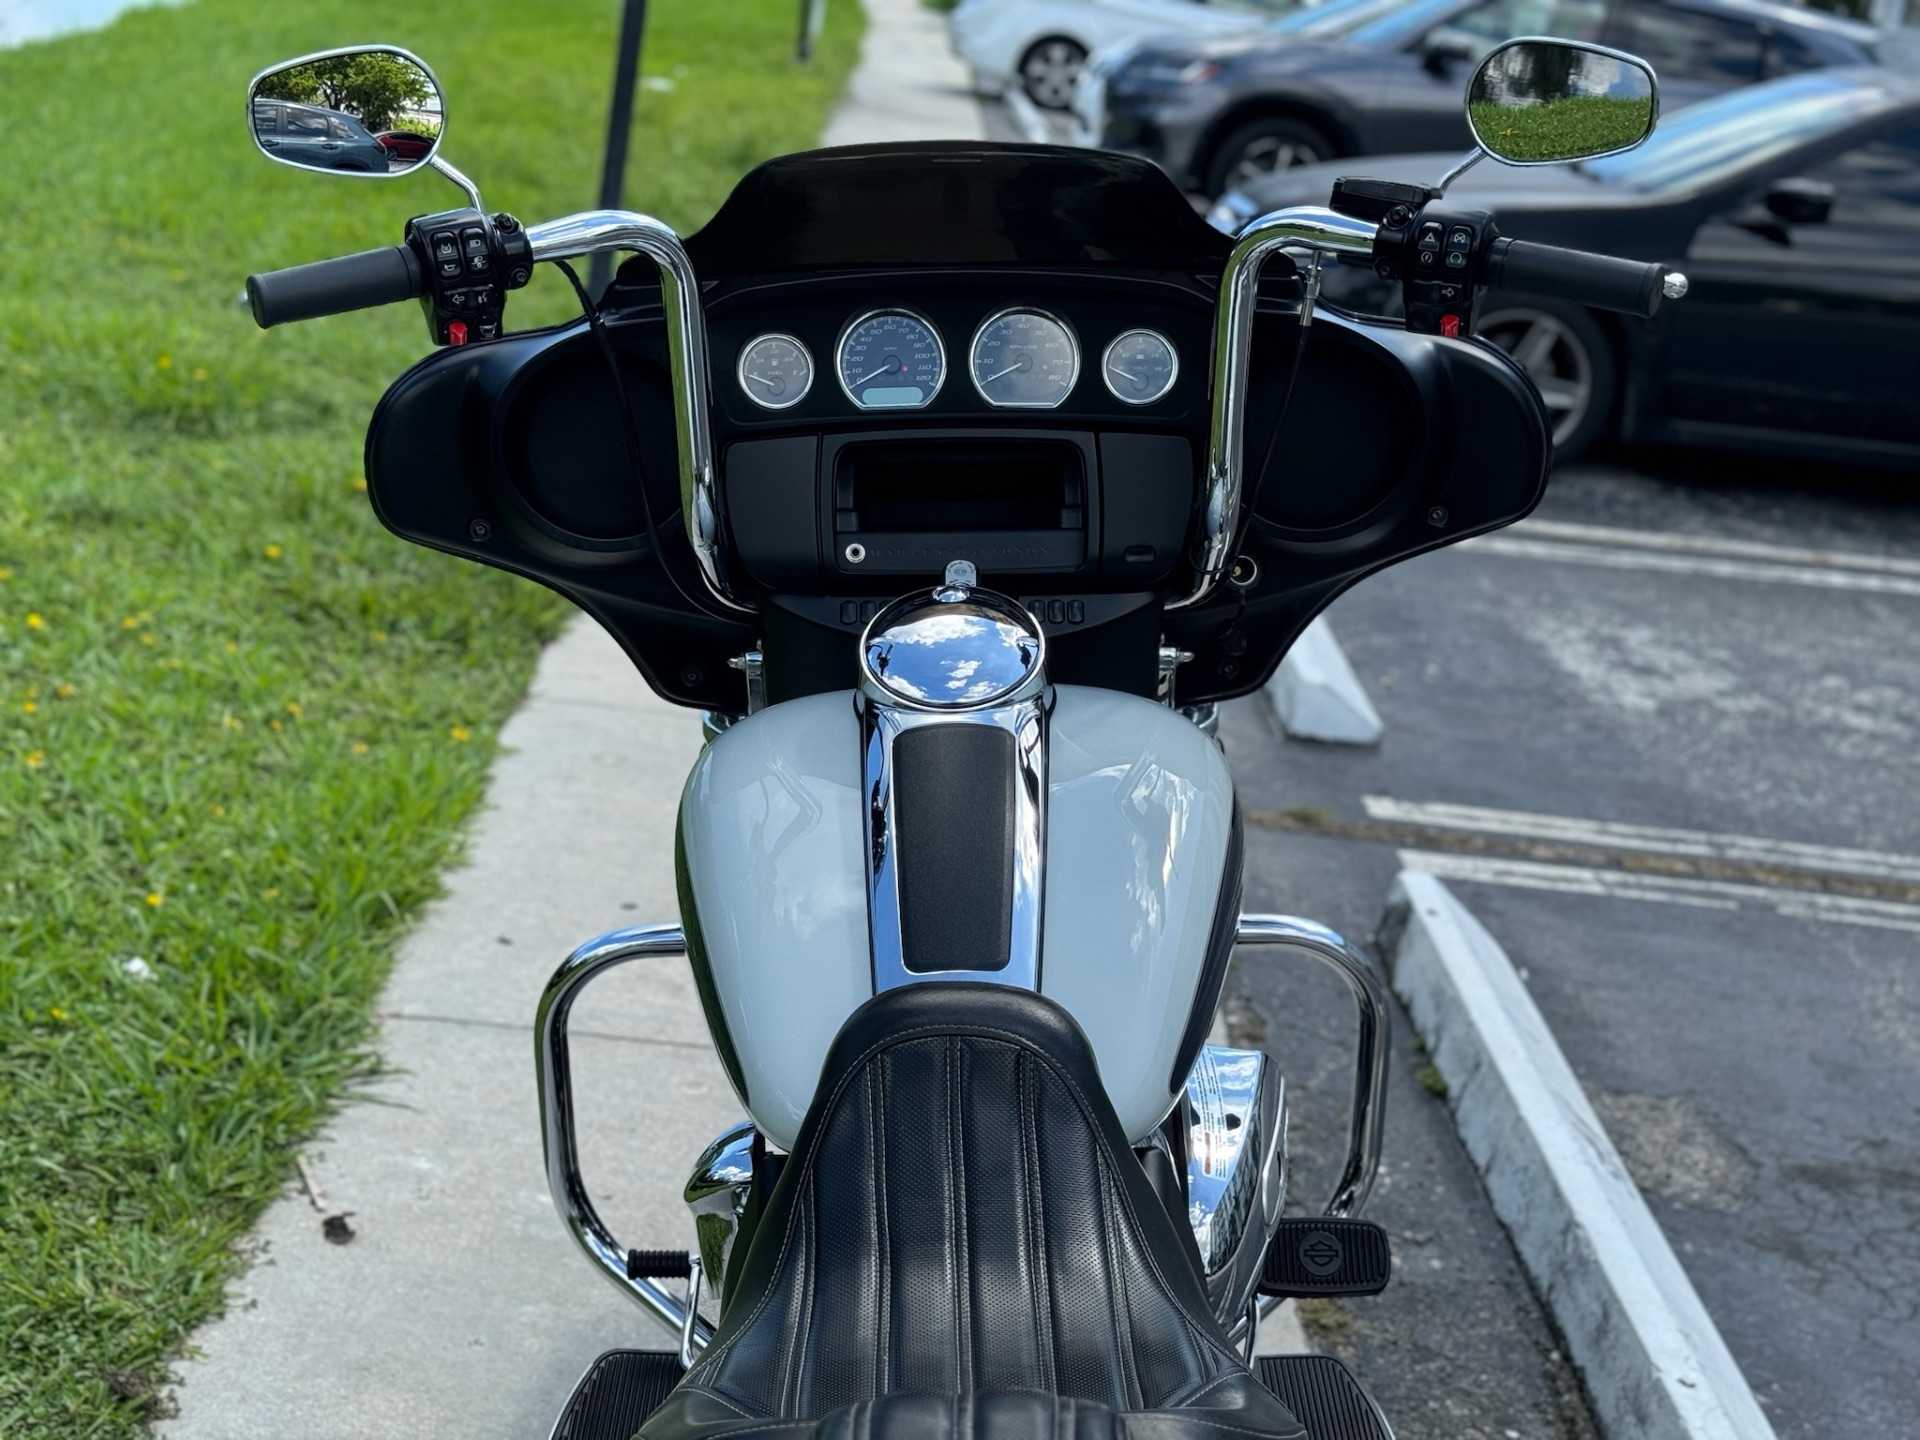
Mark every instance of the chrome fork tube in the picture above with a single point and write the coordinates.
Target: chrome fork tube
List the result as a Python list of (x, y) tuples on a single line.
[(1370, 1066), (596, 231), (1308, 228), (552, 1063)]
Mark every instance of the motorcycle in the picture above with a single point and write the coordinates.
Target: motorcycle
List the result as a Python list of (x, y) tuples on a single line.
[(959, 867)]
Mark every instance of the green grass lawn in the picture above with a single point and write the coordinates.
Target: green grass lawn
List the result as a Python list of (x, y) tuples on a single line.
[(240, 725), (1563, 129)]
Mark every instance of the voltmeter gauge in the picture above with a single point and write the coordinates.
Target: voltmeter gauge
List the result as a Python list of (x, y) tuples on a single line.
[(776, 371), (1140, 367)]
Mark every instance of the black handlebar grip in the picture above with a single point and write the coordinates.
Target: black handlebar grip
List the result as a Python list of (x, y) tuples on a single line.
[(333, 287), (1632, 287)]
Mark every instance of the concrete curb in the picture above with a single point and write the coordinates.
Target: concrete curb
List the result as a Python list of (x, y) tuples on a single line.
[(1652, 1359), (1316, 696)]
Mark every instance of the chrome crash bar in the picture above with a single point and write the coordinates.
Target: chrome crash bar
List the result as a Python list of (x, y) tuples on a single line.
[(1370, 1065), (597, 232), (557, 1129), (1309, 229)]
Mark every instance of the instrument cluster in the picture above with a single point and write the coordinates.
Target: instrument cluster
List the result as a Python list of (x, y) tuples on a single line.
[(1018, 359)]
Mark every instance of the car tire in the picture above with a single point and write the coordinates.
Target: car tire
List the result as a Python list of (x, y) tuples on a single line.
[(1049, 70), (1569, 358), (1261, 147)]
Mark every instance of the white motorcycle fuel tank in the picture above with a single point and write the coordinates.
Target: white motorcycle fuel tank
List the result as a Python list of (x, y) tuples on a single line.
[(958, 819)]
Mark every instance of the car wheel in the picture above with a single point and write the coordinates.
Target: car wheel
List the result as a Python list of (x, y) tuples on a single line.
[(1048, 71), (1260, 147), (1568, 357)]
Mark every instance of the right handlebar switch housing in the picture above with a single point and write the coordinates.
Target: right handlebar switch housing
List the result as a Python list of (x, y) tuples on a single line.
[(1440, 259)]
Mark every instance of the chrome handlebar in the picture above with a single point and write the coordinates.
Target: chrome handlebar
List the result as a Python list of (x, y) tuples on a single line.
[(599, 231), (1309, 229)]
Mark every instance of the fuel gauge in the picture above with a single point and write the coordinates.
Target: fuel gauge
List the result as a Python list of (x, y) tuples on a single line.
[(776, 371)]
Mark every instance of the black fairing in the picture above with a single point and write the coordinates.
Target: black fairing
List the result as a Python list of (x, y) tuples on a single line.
[(511, 453)]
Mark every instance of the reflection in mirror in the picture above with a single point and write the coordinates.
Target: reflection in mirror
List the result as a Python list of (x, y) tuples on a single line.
[(370, 111), (1539, 102)]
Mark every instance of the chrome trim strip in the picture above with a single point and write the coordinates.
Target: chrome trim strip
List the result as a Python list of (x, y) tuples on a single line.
[(719, 1194), (557, 1138), (881, 726), (1309, 228), (595, 231), (1073, 345), (1362, 1165)]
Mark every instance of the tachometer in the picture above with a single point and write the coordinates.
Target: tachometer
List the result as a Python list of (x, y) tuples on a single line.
[(1024, 360), (891, 360), (1140, 367), (776, 371)]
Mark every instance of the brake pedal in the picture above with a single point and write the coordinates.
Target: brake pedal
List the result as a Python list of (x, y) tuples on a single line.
[(1315, 1256)]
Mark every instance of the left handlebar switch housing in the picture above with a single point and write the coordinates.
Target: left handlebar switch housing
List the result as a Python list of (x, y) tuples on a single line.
[(468, 261)]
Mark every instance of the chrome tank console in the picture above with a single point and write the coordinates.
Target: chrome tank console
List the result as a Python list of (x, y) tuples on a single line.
[(954, 705)]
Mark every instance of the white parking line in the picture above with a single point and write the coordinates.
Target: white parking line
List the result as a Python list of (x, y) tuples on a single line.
[(1823, 576), (1649, 839), (1712, 545), (1660, 889)]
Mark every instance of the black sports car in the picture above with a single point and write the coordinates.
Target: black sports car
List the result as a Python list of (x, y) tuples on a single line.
[(1792, 207), (1217, 111)]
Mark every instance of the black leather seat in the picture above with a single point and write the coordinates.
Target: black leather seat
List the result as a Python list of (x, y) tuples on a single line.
[(964, 1245)]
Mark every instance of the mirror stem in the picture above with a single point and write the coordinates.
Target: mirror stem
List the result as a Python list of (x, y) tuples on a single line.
[(1474, 157), (473, 190)]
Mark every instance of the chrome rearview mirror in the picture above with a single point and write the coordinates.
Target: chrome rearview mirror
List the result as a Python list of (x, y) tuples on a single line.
[(370, 110), (1542, 102)]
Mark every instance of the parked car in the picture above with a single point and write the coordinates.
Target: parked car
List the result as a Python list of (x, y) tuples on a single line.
[(1041, 45), (1793, 208), (315, 136), (1217, 112), (408, 145)]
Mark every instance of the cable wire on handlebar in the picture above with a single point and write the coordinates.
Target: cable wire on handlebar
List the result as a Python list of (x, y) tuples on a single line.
[(1251, 500), (631, 431)]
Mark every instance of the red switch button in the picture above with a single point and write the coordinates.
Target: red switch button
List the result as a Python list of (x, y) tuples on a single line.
[(1449, 327), (457, 331)]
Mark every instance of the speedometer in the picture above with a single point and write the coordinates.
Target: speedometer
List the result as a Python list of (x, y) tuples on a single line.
[(891, 360), (1024, 360)]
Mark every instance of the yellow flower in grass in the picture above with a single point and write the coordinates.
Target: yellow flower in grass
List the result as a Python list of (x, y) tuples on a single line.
[(54, 1012), (460, 733), (156, 899), (66, 691), (132, 622), (230, 722), (147, 638), (35, 759), (273, 552), (29, 708), (293, 707), (232, 649), (35, 621), (359, 482), (360, 747), (217, 810), (5, 573)]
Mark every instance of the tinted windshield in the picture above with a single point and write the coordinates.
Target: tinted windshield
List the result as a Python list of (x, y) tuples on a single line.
[(1336, 17), (1716, 138)]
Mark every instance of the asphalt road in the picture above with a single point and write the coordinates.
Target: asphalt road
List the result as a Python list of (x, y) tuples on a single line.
[(1678, 779)]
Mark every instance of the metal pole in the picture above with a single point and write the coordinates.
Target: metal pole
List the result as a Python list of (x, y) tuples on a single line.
[(813, 15), (626, 79)]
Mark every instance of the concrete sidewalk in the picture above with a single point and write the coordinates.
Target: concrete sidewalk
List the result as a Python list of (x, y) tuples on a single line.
[(461, 1307)]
